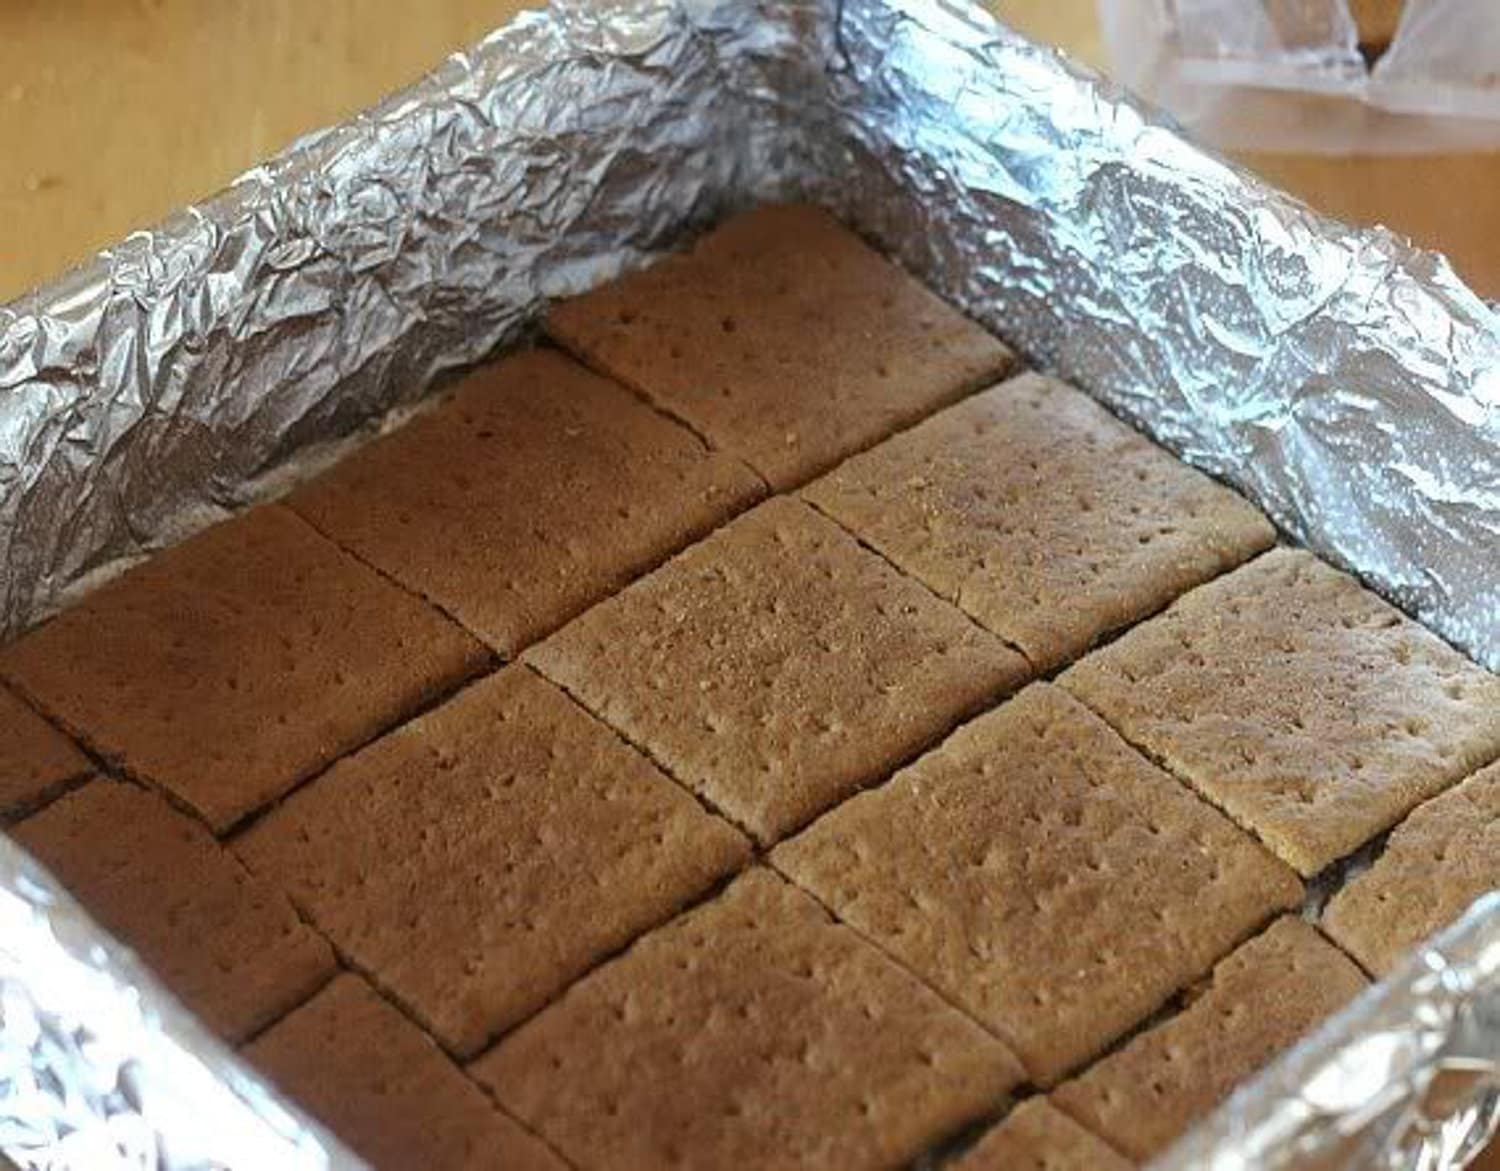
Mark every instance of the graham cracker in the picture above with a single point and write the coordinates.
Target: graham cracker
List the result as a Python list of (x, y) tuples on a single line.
[(782, 338), (1437, 862), (227, 944), (1262, 999), (381, 1085), (777, 667), (36, 760), (539, 489), (1043, 876), (1036, 1136), (1042, 516), (480, 858), (1376, 20), (1297, 701), (751, 1032), (237, 664)]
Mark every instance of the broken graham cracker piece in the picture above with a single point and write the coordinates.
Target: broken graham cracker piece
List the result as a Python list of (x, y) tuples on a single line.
[(750, 1032), (1037, 1136), (1042, 516), (1298, 702), (1043, 876), (36, 760), (784, 339), (225, 943), (539, 489), (1261, 1000), (382, 1085), (478, 859), (1437, 862), (777, 667), (232, 667)]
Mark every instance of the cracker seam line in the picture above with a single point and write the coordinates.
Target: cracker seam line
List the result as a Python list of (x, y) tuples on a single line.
[(644, 397)]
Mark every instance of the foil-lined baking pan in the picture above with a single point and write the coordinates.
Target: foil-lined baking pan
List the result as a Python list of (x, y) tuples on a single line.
[(1345, 381)]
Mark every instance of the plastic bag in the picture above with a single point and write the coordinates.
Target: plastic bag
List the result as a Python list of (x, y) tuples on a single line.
[(1289, 74)]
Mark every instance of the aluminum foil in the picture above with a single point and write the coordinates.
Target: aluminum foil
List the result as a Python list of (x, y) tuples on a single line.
[(101, 1068), (1347, 382), (1407, 1076)]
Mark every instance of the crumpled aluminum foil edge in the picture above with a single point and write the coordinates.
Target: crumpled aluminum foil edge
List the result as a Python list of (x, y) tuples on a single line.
[(1378, 1085), (1347, 382), (94, 1054)]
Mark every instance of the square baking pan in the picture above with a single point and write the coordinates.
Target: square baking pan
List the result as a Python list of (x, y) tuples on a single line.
[(1345, 382)]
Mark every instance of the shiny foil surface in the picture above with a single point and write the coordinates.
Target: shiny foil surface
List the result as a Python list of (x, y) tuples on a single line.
[(1407, 1076), (100, 1068), (1343, 380)]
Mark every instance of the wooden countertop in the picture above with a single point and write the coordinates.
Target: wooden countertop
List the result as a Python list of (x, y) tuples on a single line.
[(114, 112)]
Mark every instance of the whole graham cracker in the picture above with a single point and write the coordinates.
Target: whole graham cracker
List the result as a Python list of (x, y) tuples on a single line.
[(777, 667), (381, 1085), (1261, 1000), (1297, 701), (539, 489), (237, 664), (1042, 516), (36, 760), (1043, 876), (1036, 1136), (782, 338), (1437, 862), (227, 944), (477, 860), (750, 1032)]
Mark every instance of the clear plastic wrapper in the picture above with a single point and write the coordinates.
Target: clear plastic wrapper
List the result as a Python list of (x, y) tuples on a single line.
[(1346, 382), (1288, 75)]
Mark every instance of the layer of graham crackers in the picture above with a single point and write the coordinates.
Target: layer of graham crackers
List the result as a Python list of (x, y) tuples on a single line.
[(233, 666), (1311, 711), (1262, 999), (538, 489), (750, 1032), (784, 340), (1042, 875), (379, 1082), (478, 859), (777, 666), (1436, 862), (36, 760), (224, 942), (1042, 516), (1036, 1136)]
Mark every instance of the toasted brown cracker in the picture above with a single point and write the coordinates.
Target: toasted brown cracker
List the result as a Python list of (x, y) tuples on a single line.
[(1042, 516), (1042, 875), (537, 490), (751, 1032), (381, 1085), (777, 667), (1300, 703), (1037, 1136), (227, 944), (783, 339), (36, 760), (478, 859), (1262, 1000), (1437, 862), (237, 664)]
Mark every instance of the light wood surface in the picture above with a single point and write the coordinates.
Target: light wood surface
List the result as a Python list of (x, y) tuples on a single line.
[(114, 112)]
